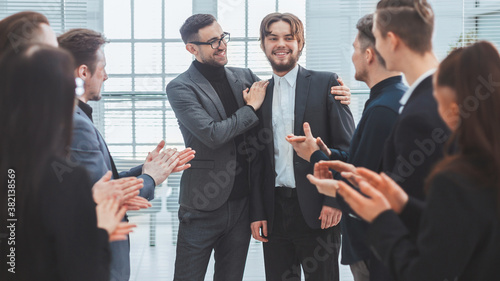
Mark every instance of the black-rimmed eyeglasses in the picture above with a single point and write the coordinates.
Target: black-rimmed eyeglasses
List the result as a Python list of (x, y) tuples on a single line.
[(216, 42)]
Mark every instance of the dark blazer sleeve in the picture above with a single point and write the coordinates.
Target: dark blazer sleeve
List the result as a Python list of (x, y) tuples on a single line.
[(81, 249), (341, 128), (446, 240), (257, 172), (148, 190), (191, 113)]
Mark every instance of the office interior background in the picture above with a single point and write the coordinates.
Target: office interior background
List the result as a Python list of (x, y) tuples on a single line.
[(145, 53)]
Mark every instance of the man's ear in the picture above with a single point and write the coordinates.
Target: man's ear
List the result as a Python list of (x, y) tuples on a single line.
[(192, 49), (369, 55), (394, 40), (83, 72)]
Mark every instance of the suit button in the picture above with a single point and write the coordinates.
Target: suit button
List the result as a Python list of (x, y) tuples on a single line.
[(296, 163)]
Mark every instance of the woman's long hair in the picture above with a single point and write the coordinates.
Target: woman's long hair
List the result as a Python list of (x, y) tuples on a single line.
[(37, 94), (20, 29), (474, 74)]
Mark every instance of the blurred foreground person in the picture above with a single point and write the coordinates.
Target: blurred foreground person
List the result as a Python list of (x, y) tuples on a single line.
[(459, 233), (25, 28), (53, 231)]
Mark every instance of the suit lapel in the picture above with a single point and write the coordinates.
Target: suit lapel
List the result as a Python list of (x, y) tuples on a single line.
[(301, 94), (207, 88), (267, 118), (106, 155), (236, 86)]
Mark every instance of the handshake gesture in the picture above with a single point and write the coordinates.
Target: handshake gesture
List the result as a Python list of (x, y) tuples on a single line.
[(115, 197)]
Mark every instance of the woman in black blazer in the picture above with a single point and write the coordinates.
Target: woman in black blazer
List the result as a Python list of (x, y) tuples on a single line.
[(458, 235)]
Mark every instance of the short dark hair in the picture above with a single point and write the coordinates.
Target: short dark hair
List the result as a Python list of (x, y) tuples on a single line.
[(365, 36), (189, 30), (19, 29), (83, 45), (295, 23), (411, 20)]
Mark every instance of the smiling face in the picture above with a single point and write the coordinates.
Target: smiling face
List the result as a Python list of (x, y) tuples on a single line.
[(281, 48), (204, 53)]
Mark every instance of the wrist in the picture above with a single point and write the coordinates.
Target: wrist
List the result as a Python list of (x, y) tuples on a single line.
[(252, 107)]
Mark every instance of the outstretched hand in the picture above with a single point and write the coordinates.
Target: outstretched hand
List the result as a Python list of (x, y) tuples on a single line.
[(394, 194), (306, 145), (323, 180), (367, 208)]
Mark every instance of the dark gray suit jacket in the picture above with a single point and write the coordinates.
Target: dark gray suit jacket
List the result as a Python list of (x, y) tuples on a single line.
[(89, 150), (329, 119), (210, 132)]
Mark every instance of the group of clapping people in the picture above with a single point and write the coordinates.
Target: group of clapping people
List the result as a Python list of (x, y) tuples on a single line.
[(66, 213), (431, 205)]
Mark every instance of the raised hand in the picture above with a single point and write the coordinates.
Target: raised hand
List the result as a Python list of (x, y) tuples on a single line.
[(389, 188), (346, 170), (155, 152), (256, 94), (367, 208), (342, 93), (161, 166), (122, 189), (121, 231), (322, 146), (136, 203), (109, 214), (306, 145), (323, 180), (184, 157)]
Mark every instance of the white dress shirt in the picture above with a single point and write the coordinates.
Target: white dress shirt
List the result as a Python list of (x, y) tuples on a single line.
[(404, 99), (283, 123)]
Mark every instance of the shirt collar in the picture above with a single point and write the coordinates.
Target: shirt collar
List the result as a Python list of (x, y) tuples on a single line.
[(290, 77), (87, 109), (412, 88), (379, 87)]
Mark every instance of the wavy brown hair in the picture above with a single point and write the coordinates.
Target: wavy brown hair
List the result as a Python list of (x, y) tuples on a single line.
[(473, 73), (20, 29)]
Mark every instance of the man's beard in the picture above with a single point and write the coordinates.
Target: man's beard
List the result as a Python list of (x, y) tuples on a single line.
[(284, 67), (212, 62)]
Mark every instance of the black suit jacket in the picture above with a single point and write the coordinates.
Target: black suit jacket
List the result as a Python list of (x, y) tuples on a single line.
[(458, 237), (328, 118), (416, 141)]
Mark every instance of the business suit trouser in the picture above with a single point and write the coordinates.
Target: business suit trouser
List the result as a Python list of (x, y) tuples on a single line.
[(293, 244), (225, 230)]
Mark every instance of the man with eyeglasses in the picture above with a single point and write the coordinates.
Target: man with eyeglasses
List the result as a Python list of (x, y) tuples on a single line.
[(215, 107)]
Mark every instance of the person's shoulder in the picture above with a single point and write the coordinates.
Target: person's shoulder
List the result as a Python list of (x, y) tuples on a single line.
[(240, 70), (320, 74), (390, 98), (180, 79)]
